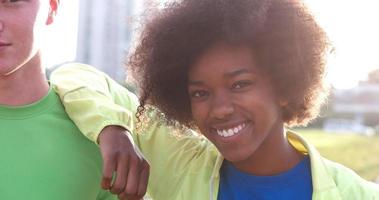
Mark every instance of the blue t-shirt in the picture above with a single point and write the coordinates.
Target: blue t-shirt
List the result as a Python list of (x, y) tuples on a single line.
[(293, 184)]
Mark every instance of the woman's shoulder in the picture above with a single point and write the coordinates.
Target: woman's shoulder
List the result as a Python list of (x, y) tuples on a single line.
[(349, 184)]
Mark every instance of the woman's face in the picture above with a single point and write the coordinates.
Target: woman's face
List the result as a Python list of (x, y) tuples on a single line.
[(232, 102)]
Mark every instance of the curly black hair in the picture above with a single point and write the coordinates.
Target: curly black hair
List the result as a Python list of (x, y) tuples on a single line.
[(288, 43)]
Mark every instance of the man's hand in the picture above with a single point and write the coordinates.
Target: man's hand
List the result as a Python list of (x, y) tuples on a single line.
[(122, 157)]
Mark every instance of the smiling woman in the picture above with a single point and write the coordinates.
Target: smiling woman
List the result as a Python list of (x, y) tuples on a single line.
[(240, 71), (237, 73)]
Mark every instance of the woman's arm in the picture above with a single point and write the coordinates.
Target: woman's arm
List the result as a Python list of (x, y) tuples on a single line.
[(94, 101), (86, 94)]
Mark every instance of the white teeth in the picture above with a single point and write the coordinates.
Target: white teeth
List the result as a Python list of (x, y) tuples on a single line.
[(231, 131), (225, 133)]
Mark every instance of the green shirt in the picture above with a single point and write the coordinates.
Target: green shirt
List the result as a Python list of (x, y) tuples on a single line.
[(186, 167), (44, 156)]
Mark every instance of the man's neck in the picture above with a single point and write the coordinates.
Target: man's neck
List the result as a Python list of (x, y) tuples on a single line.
[(24, 86)]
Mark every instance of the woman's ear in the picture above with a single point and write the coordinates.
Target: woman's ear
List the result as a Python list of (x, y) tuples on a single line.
[(283, 103), (53, 8)]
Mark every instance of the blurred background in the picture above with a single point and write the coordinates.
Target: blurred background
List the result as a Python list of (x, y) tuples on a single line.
[(100, 33)]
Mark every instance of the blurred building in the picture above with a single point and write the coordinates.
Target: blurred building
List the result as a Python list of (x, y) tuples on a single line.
[(359, 106), (104, 34), (361, 99)]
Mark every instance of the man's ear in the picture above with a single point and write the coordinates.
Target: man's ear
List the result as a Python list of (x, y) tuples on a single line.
[(53, 8)]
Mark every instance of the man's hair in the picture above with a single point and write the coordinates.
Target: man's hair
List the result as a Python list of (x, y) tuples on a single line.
[(287, 42)]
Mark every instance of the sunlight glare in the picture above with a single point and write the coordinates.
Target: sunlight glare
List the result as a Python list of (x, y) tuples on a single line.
[(60, 45), (354, 32)]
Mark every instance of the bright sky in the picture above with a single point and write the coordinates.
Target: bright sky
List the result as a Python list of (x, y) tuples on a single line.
[(352, 25)]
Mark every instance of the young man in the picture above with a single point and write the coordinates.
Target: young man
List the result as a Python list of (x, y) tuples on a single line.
[(44, 155)]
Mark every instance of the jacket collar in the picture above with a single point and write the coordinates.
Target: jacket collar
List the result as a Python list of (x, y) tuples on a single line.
[(323, 183)]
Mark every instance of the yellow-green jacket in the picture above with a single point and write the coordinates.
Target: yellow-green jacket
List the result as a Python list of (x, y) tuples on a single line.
[(182, 167)]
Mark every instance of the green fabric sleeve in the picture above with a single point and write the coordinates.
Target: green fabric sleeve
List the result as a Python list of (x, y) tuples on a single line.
[(88, 97)]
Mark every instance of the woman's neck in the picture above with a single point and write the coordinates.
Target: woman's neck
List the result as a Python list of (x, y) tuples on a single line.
[(274, 156)]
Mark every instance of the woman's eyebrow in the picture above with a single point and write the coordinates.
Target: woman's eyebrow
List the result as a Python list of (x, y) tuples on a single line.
[(194, 83), (238, 72)]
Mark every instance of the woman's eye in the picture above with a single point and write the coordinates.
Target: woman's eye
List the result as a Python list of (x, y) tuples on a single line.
[(198, 94), (241, 84)]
